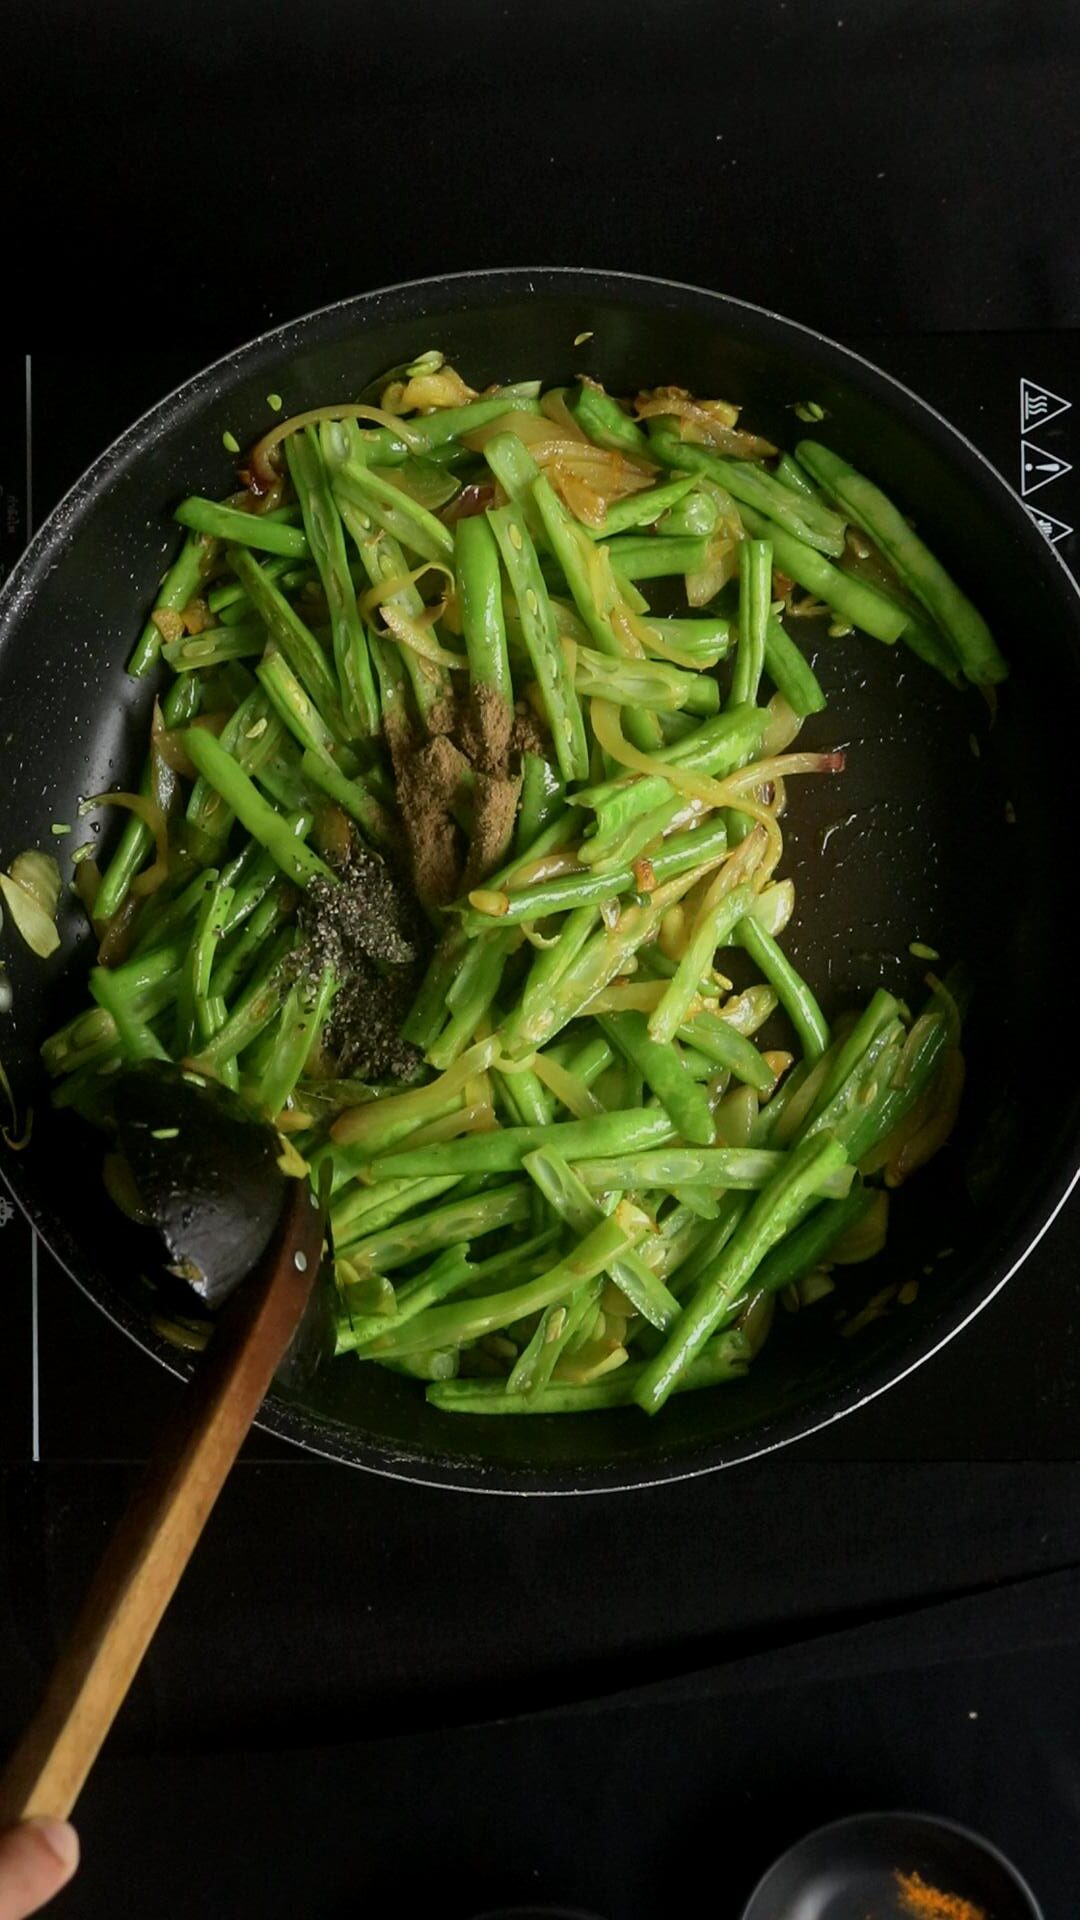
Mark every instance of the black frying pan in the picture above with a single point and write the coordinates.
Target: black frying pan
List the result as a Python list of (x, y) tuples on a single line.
[(912, 842)]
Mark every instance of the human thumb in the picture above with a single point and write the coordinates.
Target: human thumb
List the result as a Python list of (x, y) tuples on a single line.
[(37, 1858)]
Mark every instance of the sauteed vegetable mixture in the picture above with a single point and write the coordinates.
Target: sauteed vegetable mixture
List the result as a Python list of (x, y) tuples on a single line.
[(459, 850)]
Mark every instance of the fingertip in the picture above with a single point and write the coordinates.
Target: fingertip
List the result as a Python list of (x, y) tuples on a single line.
[(62, 1841)]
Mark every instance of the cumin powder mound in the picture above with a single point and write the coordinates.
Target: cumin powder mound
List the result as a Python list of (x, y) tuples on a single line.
[(467, 768)]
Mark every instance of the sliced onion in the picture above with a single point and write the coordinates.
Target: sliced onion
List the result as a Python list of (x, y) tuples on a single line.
[(39, 874), (414, 634), (714, 793), (433, 388), (152, 816), (260, 461), (31, 891), (866, 1237), (774, 907), (783, 727), (567, 1087)]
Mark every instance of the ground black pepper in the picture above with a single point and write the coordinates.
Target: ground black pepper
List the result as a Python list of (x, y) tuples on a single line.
[(367, 926)]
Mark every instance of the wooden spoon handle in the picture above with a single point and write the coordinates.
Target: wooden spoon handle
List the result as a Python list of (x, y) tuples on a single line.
[(143, 1562)]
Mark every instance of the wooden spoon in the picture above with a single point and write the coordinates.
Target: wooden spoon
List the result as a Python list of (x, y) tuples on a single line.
[(143, 1563)]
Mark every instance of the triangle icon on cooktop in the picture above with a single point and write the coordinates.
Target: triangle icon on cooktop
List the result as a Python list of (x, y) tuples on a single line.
[(1038, 405), (1038, 468)]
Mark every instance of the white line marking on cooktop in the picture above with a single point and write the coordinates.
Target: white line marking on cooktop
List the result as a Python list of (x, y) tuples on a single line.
[(35, 1361), (29, 451), (35, 1383)]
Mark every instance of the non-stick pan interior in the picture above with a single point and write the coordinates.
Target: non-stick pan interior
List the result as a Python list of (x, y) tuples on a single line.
[(945, 829)]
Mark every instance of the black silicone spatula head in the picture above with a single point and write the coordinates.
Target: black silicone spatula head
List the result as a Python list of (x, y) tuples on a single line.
[(206, 1171)]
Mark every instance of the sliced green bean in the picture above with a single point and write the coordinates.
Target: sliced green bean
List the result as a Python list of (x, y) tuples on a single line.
[(541, 637), (502, 1150), (795, 996), (242, 529), (921, 572), (779, 1206)]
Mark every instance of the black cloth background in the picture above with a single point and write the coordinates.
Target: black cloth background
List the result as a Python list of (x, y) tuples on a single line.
[(866, 165), (175, 179)]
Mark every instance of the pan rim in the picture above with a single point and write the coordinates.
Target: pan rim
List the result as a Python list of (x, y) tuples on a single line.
[(317, 1436)]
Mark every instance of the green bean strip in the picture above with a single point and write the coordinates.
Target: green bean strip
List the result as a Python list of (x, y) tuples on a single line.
[(180, 705), (258, 1005), (643, 683), (476, 562), (428, 1011), (565, 1193), (215, 645), (552, 963), (725, 1358), (598, 594), (302, 1019), (502, 1150), (268, 827), (527, 1099), (802, 516), (357, 1210), (471, 1319), (849, 598), (322, 522), (921, 572), (383, 561), (602, 418), (353, 797), (228, 593), (665, 1072), (644, 509), (181, 584), (779, 1206), (715, 927), (795, 996), (800, 1251), (446, 1276), (291, 703), (705, 641), (882, 1012), (651, 559), (556, 1331), (455, 1224), (474, 1003), (673, 857), (244, 529), (396, 512), (515, 470), (722, 1043), (789, 471), (541, 801), (790, 673), (755, 595), (137, 1039), (600, 960), (382, 447), (738, 1169), (717, 747), (242, 951), (541, 637), (296, 642)]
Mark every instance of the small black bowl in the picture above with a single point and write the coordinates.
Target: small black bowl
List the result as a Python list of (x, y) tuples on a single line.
[(848, 1871)]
